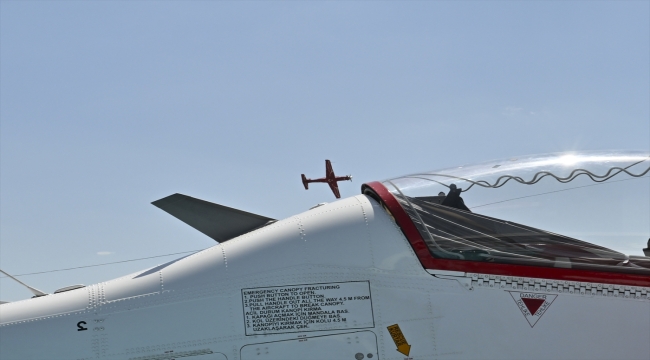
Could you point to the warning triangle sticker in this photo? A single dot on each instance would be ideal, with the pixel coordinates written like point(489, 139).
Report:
point(532, 305)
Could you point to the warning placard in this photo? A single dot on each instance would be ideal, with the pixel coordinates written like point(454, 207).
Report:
point(307, 307)
point(532, 305)
point(399, 339)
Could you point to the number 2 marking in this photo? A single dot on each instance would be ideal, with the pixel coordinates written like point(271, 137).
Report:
point(80, 326)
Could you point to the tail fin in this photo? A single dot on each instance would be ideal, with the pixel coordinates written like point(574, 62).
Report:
point(304, 181)
point(219, 222)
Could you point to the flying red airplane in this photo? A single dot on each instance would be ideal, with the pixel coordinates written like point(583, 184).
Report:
point(329, 178)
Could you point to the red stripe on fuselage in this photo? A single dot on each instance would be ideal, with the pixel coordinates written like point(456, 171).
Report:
point(429, 262)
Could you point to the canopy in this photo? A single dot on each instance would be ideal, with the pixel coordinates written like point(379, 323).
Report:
point(588, 210)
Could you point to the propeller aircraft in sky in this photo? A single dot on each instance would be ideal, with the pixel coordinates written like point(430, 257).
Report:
point(330, 178)
point(449, 264)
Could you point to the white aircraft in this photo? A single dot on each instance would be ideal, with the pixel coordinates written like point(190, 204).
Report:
point(449, 264)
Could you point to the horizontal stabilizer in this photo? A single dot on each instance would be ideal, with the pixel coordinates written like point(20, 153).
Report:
point(219, 222)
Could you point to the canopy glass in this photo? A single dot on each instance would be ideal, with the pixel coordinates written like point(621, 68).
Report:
point(588, 210)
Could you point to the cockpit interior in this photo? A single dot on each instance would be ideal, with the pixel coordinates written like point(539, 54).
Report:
point(587, 211)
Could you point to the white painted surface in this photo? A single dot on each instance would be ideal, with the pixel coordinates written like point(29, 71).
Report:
point(350, 345)
point(196, 303)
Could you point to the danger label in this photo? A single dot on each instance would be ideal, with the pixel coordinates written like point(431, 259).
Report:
point(308, 307)
point(532, 305)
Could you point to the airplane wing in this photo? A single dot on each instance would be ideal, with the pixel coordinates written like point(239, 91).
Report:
point(329, 172)
point(34, 291)
point(335, 189)
point(219, 222)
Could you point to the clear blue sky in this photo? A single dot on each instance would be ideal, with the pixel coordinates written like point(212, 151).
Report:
point(107, 106)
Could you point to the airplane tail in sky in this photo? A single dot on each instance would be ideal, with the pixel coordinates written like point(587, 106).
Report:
point(219, 222)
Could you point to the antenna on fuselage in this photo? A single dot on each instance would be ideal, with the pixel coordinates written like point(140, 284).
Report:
point(34, 291)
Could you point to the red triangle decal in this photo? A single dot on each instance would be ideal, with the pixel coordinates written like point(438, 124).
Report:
point(532, 304)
